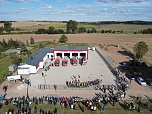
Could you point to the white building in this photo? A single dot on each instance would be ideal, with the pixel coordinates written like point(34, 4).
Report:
point(35, 62)
point(38, 59)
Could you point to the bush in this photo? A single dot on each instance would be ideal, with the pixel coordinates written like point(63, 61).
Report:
point(63, 39)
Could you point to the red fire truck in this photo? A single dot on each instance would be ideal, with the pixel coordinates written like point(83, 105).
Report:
point(74, 61)
point(57, 62)
point(64, 62)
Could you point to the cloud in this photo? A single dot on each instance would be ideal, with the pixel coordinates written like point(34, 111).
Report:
point(46, 8)
point(20, 0)
point(21, 11)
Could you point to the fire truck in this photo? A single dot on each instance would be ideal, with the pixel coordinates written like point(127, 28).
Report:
point(57, 62)
point(64, 62)
point(74, 61)
point(82, 61)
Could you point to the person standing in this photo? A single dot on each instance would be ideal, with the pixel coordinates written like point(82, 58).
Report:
point(55, 111)
point(124, 94)
point(102, 108)
point(35, 110)
point(82, 108)
point(138, 109)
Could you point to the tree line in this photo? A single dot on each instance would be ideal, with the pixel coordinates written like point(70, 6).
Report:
point(5, 45)
point(71, 28)
point(146, 31)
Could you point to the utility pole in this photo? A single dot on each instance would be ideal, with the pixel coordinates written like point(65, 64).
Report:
point(44, 80)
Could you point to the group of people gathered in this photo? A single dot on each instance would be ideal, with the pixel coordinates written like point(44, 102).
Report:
point(76, 83)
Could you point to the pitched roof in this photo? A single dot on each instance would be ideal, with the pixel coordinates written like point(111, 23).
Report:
point(37, 57)
point(71, 48)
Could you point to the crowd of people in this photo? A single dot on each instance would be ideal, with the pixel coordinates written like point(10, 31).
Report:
point(77, 83)
point(23, 105)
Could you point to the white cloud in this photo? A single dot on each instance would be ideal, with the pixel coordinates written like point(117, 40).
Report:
point(21, 11)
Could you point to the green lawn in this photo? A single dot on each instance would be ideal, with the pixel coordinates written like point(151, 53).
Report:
point(117, 109)
point(4, 63)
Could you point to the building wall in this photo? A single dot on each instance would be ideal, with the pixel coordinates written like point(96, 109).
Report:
point(73, 51)
point(48, 56)
point(26, 69)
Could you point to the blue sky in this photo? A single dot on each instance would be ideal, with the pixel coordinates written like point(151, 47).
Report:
point(79, 10)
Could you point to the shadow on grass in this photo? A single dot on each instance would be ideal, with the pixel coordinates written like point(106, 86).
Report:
point(123, 105)
point(80, 107)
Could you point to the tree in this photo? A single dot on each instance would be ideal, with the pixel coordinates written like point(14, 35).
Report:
point(41, 45)
point(23, 47)
point(29, 53)
point(60, 31)
point(72, 27)
point(88, 31)
point(32, 40)
point(10, 42)
point(4, 43)
point(7, 26)
point(41, 31)
point(51, 30)
point(93, 30)
point(140, 49)
point(1, 30)
point(110, 31)
point(16, 59)
point(27, 42)
point(63, 39)
point(82, 29)
point(102, 31)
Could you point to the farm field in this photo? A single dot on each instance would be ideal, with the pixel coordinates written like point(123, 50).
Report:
point(124, 40)
point(34, 25)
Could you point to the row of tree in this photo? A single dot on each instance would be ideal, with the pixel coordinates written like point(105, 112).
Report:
point(7, 27)
point(50, 30)
point(146, 31)
point(4, 45)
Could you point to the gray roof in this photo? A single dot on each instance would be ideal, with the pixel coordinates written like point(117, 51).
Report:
point(10, 51)
point(71, 48)
point(37, 57)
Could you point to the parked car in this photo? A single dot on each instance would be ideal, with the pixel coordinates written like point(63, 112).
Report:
point(1, 98)
point(131, 75)
point(141, 81)
point(149, 81)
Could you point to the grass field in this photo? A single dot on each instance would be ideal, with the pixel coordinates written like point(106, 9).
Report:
point(4, 63)
point(117, 109)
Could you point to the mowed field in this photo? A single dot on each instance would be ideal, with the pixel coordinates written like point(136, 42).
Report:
point(125, 40)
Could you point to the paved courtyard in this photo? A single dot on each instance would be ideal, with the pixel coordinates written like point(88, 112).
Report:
point(94, 68)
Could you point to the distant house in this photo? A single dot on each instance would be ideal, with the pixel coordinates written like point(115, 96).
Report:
point(10, 51)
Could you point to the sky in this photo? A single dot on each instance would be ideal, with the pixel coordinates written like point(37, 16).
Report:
point(78, 10)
